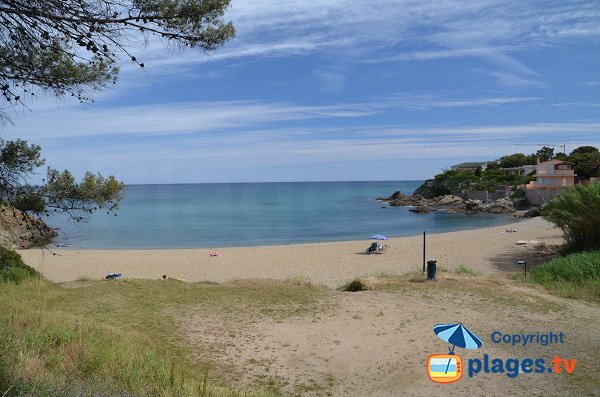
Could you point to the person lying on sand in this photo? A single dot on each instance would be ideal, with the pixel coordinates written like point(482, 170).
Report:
point(164, 277)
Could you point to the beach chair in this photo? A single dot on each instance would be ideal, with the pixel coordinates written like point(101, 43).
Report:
point(373, 249)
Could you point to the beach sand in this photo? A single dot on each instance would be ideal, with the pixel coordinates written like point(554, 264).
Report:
point(374, 342)
point(487, 251)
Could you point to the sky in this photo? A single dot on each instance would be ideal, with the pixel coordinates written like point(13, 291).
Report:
point(338, 90)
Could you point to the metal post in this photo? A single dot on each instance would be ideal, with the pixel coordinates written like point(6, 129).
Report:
point(424, 244)
point(524, 263)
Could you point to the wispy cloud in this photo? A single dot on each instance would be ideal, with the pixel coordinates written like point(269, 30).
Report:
point(486, 29)
point(195, 154)
point(592, 83)
point(510, 80)
point(194, 117)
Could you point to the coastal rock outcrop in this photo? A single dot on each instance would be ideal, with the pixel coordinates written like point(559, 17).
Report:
point(422, 205)
point(500, 206)
point(422, 209)
point(449, 200)
point(19, 232)
point(399, 199)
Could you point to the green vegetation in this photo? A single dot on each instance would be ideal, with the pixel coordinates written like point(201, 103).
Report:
point(71, 47)
point(455, 181)
point(465, 270)
point(577, 213)
point(115, 338)
point(24, 203)
point(574, 276)
point(355, 285)
point(12, 268)
point(586, 161)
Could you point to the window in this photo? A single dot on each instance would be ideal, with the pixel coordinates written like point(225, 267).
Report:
point(545, 181)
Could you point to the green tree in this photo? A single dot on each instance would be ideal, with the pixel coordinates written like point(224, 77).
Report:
point(71, 46)
point(59, 192)
point(515, 160)
point(545, 153)
point(577, 213)
point(584, 149)
point(561, 156)
point(586, 164)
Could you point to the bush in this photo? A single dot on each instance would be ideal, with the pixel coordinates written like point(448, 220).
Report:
point(355, 285)
point(576, 268)
point(12, 267)
point(574, 276)
point(577, 213)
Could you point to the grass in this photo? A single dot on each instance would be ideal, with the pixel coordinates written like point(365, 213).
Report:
point(12, 268)
point(464, 270)
point(574, 276)
point(127, 337)
point(120, 338)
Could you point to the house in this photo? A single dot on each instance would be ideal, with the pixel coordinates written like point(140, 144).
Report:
point(551, 178)
point(472, 166)
point(523, 170)
point(553, 175)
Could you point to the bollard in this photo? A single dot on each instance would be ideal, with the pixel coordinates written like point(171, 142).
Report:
point(524, 263)
point(431, 269)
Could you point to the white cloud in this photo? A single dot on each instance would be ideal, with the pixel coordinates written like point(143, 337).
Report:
point(193, 117)
point(485, 28)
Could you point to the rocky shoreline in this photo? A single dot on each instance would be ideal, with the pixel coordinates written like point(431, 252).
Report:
point(422, 205)
point(18, 231)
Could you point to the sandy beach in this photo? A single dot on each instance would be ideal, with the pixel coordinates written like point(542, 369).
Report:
point(487, 251)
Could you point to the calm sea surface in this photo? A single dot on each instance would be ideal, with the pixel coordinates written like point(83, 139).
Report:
point(246, 214)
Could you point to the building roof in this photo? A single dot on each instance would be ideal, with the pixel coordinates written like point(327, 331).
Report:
point(473, 164)
point(556, 162)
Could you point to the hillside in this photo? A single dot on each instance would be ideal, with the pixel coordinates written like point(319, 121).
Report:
point(18, 231)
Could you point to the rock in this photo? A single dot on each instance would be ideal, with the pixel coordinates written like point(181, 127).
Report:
point(19, 233)
point(500, 206)
point(473, 205)
point(449, 200)
point(422, 209)
point(426, 189)
point(402, 200)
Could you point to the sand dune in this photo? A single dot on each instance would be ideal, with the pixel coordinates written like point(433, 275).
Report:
point(487, 251)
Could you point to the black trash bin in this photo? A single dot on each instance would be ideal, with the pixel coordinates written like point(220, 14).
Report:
point(431, 269)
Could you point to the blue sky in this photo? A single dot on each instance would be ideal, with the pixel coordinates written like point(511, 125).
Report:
point(339, 90)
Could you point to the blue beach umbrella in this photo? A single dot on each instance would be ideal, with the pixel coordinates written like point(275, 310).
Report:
point(457, 335)
point(378, 237)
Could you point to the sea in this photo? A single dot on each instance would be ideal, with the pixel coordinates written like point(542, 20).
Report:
point(253, 214)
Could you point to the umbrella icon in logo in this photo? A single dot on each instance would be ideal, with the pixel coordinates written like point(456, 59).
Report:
point(447, 368)
point(457, 335)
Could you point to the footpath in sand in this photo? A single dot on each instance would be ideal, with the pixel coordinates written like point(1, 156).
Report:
point(485, 251)
point(376, 342)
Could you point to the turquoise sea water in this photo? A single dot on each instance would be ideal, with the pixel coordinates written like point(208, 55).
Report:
point(246, 214)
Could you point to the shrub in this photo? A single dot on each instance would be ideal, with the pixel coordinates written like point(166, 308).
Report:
point(577, 268)
point(574, 276)
point(354, 286)
point(577, 213)
point(12, 267)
